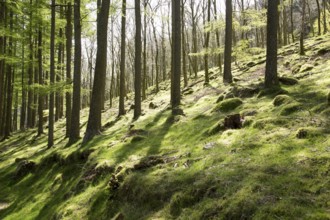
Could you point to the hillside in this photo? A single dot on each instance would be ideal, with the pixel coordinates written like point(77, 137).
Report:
point(189, 167)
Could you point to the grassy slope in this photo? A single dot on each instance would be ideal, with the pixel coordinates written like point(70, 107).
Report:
point(261, 171)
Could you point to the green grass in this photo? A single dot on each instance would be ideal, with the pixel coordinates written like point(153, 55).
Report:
point(262, 171)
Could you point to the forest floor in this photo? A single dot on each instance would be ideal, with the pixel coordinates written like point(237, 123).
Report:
point(277, 166)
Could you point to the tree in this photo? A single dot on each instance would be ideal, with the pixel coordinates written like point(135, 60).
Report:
point(75, 115)
point(52, 77)
point(94, 123)
point(302, 28)
point(40, 69)
point(271, 78)
point(227, 75)
point(68, 97)
point(122, 61)
point(138, 51)
point(176, 56)
point(206, 45)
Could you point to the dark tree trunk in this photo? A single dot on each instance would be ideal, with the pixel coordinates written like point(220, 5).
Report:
point(30, 74)
point(40, 98)
point(217, 35)
point(94, 120)
point(52, 77)
point(122, 61)
point(68, 97)
point(176, 56)
point(206, 45)
point(9, 75)
point(325, 28)
point(271, 78)
point(302, 28)
point(183, 44)
point(138, 51)
point(2, 69)
point(227, 75)
point(318, 17)
point(75, 115)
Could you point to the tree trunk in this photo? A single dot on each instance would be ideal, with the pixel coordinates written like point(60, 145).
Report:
point(122, 61)
point(318, 17)
point(52, 77)
point(325, 28)
point(138, 51)
point(94, 124)
point(184, 60)
point(40, 98)
point(206, 45)
point(271, 78)
point(227, 75)
point(302, 28)
point(75, 115)
point(68, 97)
point(176, 56)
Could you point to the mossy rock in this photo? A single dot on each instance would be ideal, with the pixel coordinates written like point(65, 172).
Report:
point(272, 92)
point(228, 105)
point(323, 51)
point(306, 67)
point(289, 81)
point(290, 109)
point(308, 132)
point(263, 123)
point(215, 129)
point(137, 138)
point(221, 98)
point(281, 100)
point(247, 122)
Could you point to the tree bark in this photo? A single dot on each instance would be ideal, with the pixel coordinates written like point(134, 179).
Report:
point(94, 124)
point(138, 51)
point(122, 61)
point(75, 115)
point(176, 56)
point(68, 97)
point(271, 78)
point(52, 78)
point(227, 75)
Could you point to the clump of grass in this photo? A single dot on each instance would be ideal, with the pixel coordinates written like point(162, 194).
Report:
point(281, 99)
point(228, 105)
point(290, 109)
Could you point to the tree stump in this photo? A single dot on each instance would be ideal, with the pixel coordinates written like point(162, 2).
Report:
point(233, 122)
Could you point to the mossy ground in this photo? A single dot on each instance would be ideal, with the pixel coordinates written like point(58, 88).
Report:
point(262, 171)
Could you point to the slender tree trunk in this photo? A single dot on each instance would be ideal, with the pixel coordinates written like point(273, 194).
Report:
point(207, 41)
point(292, 25)
point(58, 75)
point(9, 75)
point(217, 35)
point(2, 69)
point(138, 51)
point(302, 28)
point(52, 77)
point(94, 124)
point(75, 115)
point(318, 17)
point(68, 97)
point(122, 61)
point(271, 78)
point(40, 69)
point(144, 78)
point(30, 73)
point(325, 28)
point(227, 75)
point(23, 103)
point(184, 57)
point(176, 56)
